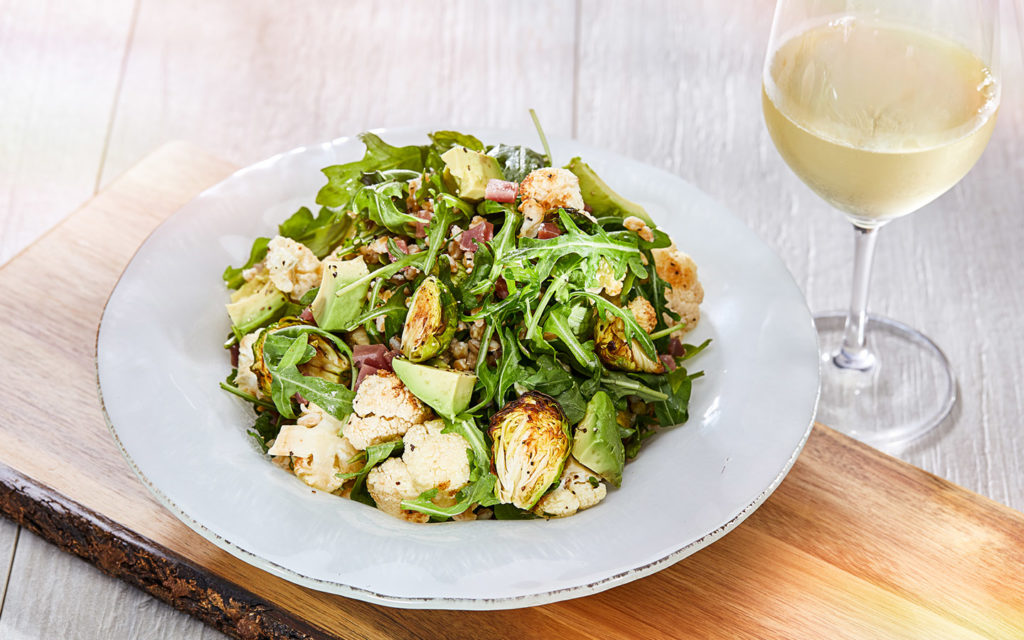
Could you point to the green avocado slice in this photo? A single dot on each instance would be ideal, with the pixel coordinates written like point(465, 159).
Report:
point(258, 302)
point(468, 172)
point(596, 443)
point(602, 200)
point(331, 311)
point(446, 392)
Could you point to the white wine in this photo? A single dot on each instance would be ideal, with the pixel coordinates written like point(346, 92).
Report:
point(878, 119)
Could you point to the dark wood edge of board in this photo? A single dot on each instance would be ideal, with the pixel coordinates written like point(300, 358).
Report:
point(165, 575)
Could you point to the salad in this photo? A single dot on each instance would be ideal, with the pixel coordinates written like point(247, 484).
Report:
point(463, 331)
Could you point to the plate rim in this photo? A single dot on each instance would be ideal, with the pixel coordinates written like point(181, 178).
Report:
point(442, 602)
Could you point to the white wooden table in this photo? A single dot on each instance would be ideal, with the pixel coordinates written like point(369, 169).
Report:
point(91, 86)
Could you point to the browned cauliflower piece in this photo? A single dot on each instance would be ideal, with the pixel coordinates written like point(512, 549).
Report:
point(384, 410)
point(431, 460)
point(639, 227)
point(685, 292)
point(245, 378)
point(317, 449)
point(644, 313)
point(578, 489)
point(546, 190)
point(292, 267)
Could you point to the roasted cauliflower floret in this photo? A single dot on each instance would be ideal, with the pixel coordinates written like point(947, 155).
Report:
point(383, 394)
point(644, 313)
point(389, 483)
point(606, 280)
point(293, 268)
point(384, 410)
point(579, 488)
point(437, 459)
point(685, 292)
point(364, 431)
point(639, 227)
point(317, 449)
point(245, 379)
point(546, 190)
point(431, 460)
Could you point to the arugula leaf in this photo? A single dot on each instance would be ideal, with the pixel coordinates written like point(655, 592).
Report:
point(540, 134)
point(445, 140)
point(549, 377)
point(374, 455)
point(509, 369)
point(552, 379)
point(676, 385)
point(516, 162)
point(561, 274)
point(287, 380)
point(444, 217)
point(620, 385)
point(483, 259)
point(233, 275)
point(465, 426)
point(690, 351)
point(631, 328)
point(486, 379)
point(232, 389)
point(343, 179)
point(535, 259)
point(503, 243)
point(377, 200)
point(319, 234)
point(335, 399)
point(573, 404)
point(480, 491)
point(277, 344)
point(298, 329)
point(266, 428)
point(558, 323)
point(393, 311)
point(512, 512)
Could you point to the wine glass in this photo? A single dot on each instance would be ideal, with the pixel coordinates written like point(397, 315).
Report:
point(881, 106)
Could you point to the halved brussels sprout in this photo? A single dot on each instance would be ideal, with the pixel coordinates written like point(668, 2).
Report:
point(531, 443)
point(326, 362)
point(616, 352)
point(431, 321)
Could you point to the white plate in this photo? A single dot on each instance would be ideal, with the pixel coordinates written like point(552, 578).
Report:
point(159, 360)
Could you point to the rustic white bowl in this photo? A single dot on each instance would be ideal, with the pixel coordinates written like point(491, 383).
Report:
point(160, 359)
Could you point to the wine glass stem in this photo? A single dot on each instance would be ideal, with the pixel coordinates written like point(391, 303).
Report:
point(854, 354)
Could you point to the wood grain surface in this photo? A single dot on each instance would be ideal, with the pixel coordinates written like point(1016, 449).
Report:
point(92, 86)
point(853, 543)
point(54, 116)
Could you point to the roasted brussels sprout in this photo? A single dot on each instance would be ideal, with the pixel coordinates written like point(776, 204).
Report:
point(531, 443)
point(616, 352)
point(430, 323)
point(326, 363)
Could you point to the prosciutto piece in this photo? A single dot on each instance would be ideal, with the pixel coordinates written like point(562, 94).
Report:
point(501, 190)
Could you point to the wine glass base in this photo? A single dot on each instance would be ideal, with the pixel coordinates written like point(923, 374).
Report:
point(907, 392)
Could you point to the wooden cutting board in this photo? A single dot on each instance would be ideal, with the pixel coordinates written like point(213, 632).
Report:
point(853, 544)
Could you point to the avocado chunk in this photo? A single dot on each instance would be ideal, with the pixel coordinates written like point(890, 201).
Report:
point(467, 172)
point(342, 293)
point(596, 443)
point(446, 392)
point(602, 200)
point(256, 303)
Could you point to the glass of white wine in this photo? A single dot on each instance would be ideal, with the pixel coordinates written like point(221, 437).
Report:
point(881, 106)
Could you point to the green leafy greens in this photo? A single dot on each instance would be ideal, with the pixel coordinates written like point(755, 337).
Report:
point(533, 313)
